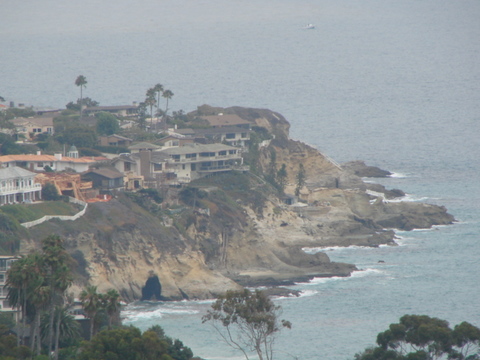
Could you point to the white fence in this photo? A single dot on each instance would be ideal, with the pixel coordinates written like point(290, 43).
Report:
point(61, 217)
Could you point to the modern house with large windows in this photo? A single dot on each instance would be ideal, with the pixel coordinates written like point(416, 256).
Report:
point(18, 185)
point(180, 165)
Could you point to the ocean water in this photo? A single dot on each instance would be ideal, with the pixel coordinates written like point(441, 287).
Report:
point(394, 83)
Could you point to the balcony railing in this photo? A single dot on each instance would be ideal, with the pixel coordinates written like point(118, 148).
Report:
point(205, 158)
point(8, 190)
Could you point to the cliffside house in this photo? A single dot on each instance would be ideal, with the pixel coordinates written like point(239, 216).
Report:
point(56, 162)
point(118, 110)
point(180, 165)
point(114, 140)
point(30, 127)
point(6, 262)
point(232, 135)
point(105, 179)
point(222, 120)
point(129, 165)
point(18, 185)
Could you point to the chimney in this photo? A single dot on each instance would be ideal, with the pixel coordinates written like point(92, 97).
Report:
point(134, 103)
point(58, 156)
point(39, 152)
point(145, 158)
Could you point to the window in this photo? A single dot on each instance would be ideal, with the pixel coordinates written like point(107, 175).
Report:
point(222, 153)
point(127, 166)
point(40, 164)
point(232, 152)
point(244, 135)
point(183, 167)
point(176, 157)
point(193, 167)
point(157, 167)
point(230, 136)
point(2, 278)
point(191, 156)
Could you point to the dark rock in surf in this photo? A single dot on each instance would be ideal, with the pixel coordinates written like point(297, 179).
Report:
point(359, 168)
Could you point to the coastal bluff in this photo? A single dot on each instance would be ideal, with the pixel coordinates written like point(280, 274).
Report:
point(240, 231)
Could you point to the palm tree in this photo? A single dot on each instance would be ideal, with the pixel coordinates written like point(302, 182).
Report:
point(91, 304)
point(17, 290)
point(159, 91)
point(66, 327)
point(167, 94)
point(40, 299)
point(81, 81)
point(150, 101)
point(111, 303)
point(58, 276)
point(23, 279)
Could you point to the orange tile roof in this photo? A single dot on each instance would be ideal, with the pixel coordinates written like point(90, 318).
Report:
point(45, 158)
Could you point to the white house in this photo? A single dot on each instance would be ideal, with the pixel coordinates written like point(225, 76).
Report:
point(18, 185)
point(38, 162)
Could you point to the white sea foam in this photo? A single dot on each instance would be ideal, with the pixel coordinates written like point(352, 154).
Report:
point(136, 313)
point(399, 175)
point(409, 198)
point(314, 250)
point(355, 274)
point(402, 240)
point(366, 272)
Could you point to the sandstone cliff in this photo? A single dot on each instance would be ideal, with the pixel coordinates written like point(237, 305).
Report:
point(237, 231)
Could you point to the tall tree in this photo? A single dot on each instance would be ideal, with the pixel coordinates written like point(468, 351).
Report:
point(111, 304)
point(271, 176)
point(81, 82)
point(40, 298)
point(24, 278)
point(167, 94)
point(159, 91)
point(301, 178)
point(247, 321)
point(59, 277)
point(67, 329)
point(282, 178)
point(150, 101)
point(91, 303)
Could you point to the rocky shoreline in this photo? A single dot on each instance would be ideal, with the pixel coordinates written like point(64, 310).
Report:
point(249, 237)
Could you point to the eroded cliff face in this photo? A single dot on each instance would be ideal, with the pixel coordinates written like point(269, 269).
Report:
point(249, 237)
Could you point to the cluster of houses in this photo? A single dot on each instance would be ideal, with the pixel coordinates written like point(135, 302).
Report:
point(183, 155)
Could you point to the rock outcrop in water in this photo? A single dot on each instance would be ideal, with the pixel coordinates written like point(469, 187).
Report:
point(248, 237)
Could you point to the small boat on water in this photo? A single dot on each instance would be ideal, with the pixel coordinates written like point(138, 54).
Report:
point(309, 27)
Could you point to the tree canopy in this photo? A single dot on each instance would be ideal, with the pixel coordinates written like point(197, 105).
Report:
point(247, 321)
point(107, 124)
point(420, 337)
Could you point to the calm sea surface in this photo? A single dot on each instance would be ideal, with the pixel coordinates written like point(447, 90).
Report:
point(395, 83)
